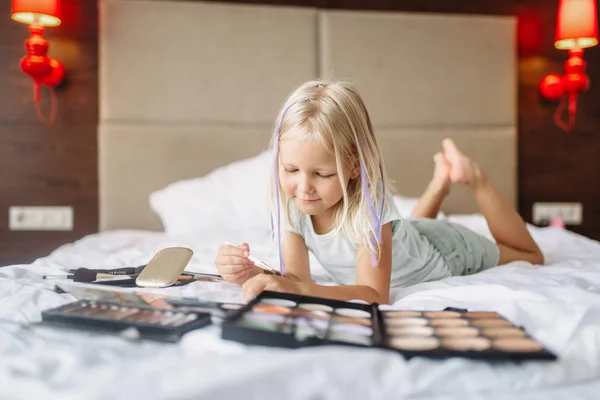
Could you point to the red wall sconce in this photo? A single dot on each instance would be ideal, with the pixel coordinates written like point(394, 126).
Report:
point(576, 29)
point(44, 70)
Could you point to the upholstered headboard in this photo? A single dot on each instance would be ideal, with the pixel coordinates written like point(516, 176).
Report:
point(202, 86)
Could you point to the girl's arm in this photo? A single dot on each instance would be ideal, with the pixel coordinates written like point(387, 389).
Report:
point(372, 283)
point(295, 255)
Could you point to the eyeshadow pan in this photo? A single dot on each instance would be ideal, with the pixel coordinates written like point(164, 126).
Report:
point(104, 313)
point(305, 332)
point(448, 322)
point(401, 314)
point(481, 314)
point(351, 312)
point(231, 306)
point(466, 344)
point(142, 315)
point(451, 331)
point(155, 316)
point(315, 307)
point(410, 331)
point(297, 312)
point(488, 323)
point(442, 314)
point(517, 345)
point(407, 321)
point(185, 319)
point(320, 324)
point(175, 319)
point(352, 328)
point(168, 318)
point(126, 312)
point(414, 343)
point(353, 320)
point(350, 338)
point(264, 317)
point(278, 302)
point(506, 332)
point(89, 309)
point(265, 326)
point(268, 308)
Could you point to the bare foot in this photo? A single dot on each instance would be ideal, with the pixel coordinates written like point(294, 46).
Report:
point(441, 174)
point(462, 169)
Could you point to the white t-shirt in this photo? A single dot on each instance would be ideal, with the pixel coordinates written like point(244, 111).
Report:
point(414, 258)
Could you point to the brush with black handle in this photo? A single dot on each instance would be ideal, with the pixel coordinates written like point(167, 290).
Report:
point(84, 275)
point(118, 271)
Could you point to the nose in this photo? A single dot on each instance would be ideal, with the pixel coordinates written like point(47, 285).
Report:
point(305, 184)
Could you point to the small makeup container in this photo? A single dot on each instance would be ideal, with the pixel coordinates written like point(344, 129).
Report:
point(123, 313)
point(293, 321)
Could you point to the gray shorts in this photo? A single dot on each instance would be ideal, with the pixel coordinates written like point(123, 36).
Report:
point(464, 251)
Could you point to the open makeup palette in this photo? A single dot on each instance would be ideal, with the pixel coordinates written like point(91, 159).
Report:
point(287, 320)
point(132, 314)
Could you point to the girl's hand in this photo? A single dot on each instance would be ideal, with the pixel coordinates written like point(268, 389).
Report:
point(252, 287)
point(233, 264)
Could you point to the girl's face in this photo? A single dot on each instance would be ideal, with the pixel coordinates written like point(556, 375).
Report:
point(309, 176)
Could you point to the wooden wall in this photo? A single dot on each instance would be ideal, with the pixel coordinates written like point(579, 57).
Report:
point(54, 165)
point(58, 165)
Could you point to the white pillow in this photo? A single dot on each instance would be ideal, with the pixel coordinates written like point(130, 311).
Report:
point(407, 204)
point(233, 197)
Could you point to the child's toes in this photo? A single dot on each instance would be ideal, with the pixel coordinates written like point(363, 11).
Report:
point(460, 164)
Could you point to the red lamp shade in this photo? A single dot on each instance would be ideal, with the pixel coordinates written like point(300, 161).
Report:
point(36, 12)
point(577, 26)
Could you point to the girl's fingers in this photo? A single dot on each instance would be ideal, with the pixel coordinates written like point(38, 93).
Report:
point(238, 278)
point(232, 260)
point(234, 269)
point(229, 250)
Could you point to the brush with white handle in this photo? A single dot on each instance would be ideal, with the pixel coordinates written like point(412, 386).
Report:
point(256, 261)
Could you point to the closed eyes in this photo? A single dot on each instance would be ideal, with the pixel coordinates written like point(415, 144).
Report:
point(325, 175)
point(319, 174)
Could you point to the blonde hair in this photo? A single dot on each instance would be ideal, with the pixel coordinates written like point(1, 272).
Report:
point(334, 114)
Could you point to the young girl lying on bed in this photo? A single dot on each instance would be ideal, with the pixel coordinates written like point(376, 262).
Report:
point(331, 196)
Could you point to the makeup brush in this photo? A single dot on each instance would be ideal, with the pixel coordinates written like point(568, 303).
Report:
point(256, 261)
point(57, 276)
point(118, 271)
point(81, 275)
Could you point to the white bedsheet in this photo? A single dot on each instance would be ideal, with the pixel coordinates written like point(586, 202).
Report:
point(559, 304)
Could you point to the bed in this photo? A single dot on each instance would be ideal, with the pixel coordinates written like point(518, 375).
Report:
point(183, 129)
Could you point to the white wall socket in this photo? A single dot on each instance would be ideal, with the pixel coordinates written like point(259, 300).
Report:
point(40, 218)
point(571, 213)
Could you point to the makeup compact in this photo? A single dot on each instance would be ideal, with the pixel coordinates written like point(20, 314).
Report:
point(292, 321)
point(165, 267)
point(125, 313)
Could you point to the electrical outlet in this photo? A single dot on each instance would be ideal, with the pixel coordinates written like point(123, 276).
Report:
point(571, 213)
point(40, 218)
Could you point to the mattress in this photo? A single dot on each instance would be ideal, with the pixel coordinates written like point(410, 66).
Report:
point(558, 304)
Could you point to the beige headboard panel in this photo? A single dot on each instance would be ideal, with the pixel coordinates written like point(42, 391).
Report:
point(165, 154)
point(429, 76)
point(425, 69)
point(195, 62)
point(186, 87)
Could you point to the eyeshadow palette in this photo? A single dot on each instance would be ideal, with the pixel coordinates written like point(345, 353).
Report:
point(292, 321)
point(219, 311)
point(124, 313)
